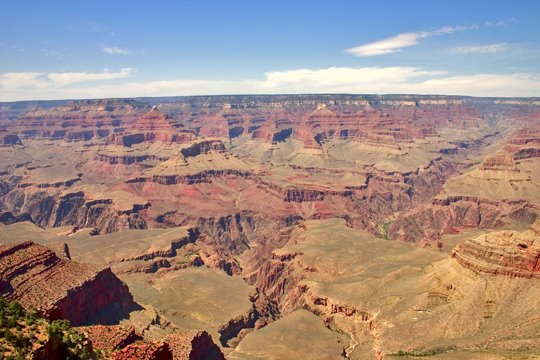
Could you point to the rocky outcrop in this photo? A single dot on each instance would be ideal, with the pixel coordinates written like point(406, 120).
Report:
point(110, 338)
point(169, 251)
point(195, 178)
point(132, 139)
point(499, 162)
point(508, 253)
point(325, 306)
point(153, 126)
point(61, 289)
point(147, 350)
point(527, 153)
point(146, 267)
point(202, 147)
point(302, 195)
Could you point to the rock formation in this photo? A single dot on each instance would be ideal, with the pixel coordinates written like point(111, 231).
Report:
point(59, 288)
point(509, 253)
point(500, 162)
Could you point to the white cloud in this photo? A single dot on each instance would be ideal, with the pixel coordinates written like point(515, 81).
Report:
point(120, 51)
point(14, 80)
point(504, 85)
point(483, 49)
point(362, 80)
point(76, 77)
point(395, 43)
point(36, 80)
point(340, 79)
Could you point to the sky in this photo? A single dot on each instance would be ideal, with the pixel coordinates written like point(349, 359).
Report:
point(67, 49)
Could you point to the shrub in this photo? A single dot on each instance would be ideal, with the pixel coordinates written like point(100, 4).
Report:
point(15, 322)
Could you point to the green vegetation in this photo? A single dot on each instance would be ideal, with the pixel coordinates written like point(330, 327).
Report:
point(24, 334)
point(384, 229)
point(418, 353)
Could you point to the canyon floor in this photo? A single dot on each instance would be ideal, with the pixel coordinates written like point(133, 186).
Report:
point(287, 227)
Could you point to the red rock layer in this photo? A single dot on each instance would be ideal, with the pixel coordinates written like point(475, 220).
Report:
point(77, 120)
point(154, 126)
point(380, 119)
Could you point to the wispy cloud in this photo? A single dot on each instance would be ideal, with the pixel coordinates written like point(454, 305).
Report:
point(372, 80)
point(483, 49)
point(114, 50)
point(101, 28)
point(498, 23)
point(395, 43)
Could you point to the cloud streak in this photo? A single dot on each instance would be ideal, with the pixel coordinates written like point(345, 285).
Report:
point(396, 43)
point(484, 49)
point(360, 80)
point(114, 50)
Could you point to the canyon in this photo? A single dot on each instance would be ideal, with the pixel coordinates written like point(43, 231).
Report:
point(277, 226)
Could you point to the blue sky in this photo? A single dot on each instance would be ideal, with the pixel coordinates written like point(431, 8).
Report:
point(80, 49)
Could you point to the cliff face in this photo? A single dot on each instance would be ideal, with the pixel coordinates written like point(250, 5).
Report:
point(77, 120)
point(52, 208)
point(380, 120)
point(151, 127)
point(448, 215)
point(61, 289)
point(10, 139)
